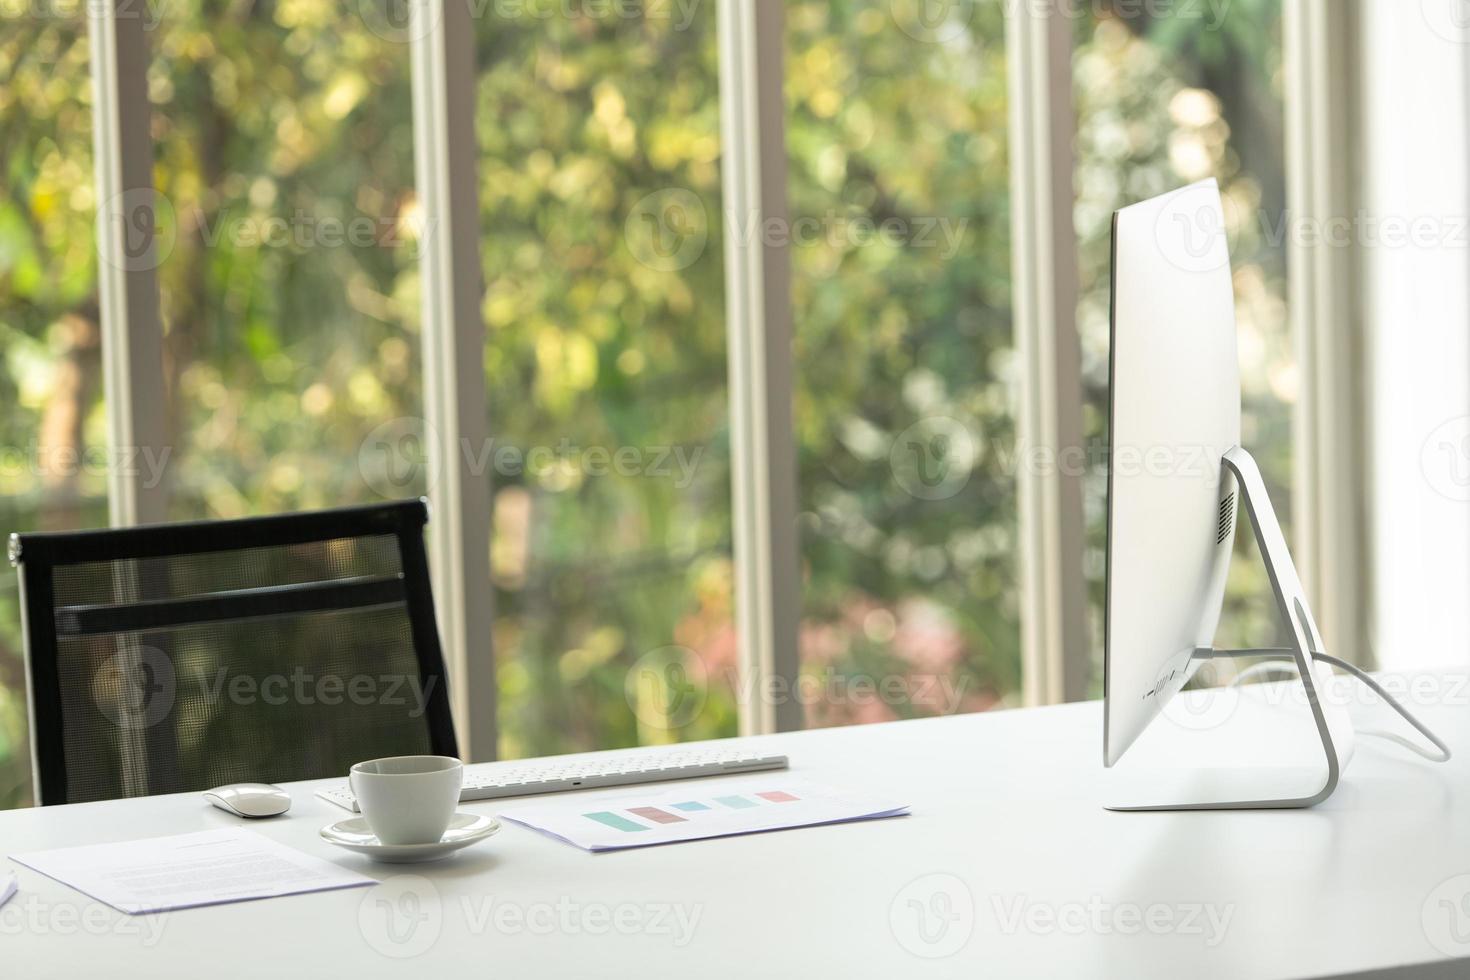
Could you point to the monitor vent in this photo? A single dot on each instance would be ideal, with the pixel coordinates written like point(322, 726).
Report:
point(1227, 519)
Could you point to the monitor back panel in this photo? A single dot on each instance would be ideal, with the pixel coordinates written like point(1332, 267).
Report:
point(1175, 412)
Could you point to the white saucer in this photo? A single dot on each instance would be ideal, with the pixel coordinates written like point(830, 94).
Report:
point(464, 829)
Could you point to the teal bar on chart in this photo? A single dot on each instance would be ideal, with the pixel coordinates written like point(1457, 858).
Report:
point(615, 822)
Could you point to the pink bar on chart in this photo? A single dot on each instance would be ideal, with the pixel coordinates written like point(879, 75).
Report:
point(778, 796)
point(655, 814)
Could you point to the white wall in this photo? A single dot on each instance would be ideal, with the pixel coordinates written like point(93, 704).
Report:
point(1416, 185)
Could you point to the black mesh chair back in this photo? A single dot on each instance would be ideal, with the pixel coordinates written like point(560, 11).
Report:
point(179, 657)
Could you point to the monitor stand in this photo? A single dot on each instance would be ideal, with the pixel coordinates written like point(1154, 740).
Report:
point(1252, 787)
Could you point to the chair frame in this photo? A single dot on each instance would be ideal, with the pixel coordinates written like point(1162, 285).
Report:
point(37, 555)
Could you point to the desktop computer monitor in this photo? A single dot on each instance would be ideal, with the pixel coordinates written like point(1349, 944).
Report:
point(1174, 414)
point(1177, 476)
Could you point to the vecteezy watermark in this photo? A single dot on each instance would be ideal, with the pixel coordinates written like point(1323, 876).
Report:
point(400, 21)
point(936, 457)
point(397, 458)
point(669, 230)
point(150, 12)
point(135, 687)
point(680, 13)
point(300, 686)
point(301, 230)
point(843, 231)
point(933, 458)
point(1205, 708)
point(1213, 704)
point(1098, 916)
point(934, 21)
point(947, 21)
point(139, 229)
point(1184, 461)
point(566, 916)
point(30, 915)
point(1195, 236)
point(1450, 19)
point(1444, 459)
point(1190, 230)
point(401, 917)
point(668, 688)
point(394, 459)
point(1365, 229)
point(1446, 916)
point(404, 916)
point(136, 229)
point(1209, 14)
point(933, 916)
point(939, 693)
point(144, 462)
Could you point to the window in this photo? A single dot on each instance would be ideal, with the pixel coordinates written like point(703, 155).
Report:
point(53, 475)
point(284, 144)
point(599, 178)
point(900, 254)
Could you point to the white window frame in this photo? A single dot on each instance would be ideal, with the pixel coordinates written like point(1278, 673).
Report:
point(453, 339)
point(759, 335)
point(127, 266)
point(1413, 80)
point(1329, 496)
point(1055, 649)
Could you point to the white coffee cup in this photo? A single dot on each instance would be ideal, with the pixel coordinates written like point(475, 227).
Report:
point(408, 799)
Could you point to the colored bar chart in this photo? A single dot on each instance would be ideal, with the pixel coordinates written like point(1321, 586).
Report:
point(630, 820)
point(727, 807)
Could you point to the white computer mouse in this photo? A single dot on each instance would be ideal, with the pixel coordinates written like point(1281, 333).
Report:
point(250, 799)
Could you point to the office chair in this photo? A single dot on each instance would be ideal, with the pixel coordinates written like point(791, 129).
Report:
point(177, 657)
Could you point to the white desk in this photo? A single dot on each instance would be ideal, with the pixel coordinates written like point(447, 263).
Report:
point(1006, 821)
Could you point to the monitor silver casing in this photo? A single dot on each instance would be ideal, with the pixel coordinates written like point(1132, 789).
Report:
point(1176, 478)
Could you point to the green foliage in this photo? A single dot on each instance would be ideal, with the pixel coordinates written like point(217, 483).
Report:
point(582, 123)
point(284, 145)
point(887, 127)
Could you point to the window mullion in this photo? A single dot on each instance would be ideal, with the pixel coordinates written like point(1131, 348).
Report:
point(127, 268)
point(453, 338)
point(1328, 452)
point(1055, 649)
point(759, 328)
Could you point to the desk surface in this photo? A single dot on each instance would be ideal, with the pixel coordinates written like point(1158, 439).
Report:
point(1008, 867)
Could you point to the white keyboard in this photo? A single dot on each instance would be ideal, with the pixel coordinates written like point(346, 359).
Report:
point(497, 780)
